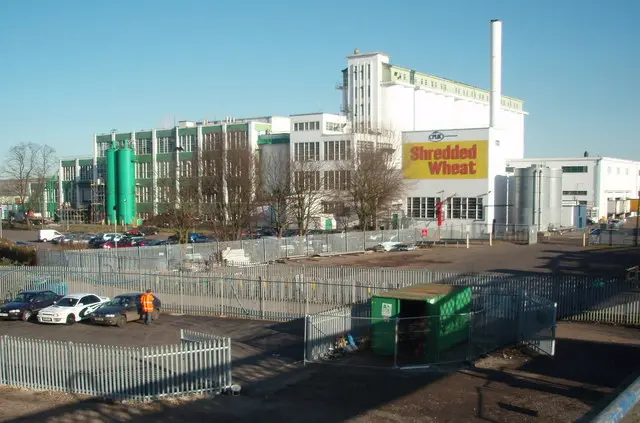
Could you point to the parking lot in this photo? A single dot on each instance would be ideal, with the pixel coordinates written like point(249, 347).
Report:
point(259, 348)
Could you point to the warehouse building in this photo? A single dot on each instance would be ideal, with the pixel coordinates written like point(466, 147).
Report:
point(603, 185)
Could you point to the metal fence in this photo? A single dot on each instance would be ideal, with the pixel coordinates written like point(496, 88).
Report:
point(282, 292)
point(204, 256)
point(352, 336)
point(200, 364)
point(624, 237)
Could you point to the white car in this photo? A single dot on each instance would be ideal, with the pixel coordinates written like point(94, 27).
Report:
point(71, 308)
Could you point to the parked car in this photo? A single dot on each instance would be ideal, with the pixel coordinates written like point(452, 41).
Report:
point(71, 309)
point(122, 309)
point(152, 242)
point(27, 304)
point(101, 238)
point(46, 235)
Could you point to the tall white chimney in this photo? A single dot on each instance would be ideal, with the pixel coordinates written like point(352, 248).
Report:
point(495, 102)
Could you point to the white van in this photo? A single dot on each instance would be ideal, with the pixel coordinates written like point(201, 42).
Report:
point(45, 235)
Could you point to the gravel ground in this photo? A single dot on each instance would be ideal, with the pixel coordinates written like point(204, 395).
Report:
point(590, 363)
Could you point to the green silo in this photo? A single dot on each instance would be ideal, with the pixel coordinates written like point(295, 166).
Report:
point(110, 185)
point(134, 204)
point(126, 181)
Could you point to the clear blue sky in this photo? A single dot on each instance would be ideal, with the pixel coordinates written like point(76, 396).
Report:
point(75, 67)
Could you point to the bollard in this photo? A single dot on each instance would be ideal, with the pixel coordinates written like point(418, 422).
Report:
point(467, 240)
point(584, 239)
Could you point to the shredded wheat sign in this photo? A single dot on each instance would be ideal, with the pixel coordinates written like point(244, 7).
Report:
point(446, 160)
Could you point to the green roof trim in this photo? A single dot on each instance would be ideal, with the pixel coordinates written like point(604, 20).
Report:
point(211, 129)
point(103, 138)
point(144, 135)
point(238, 127)
point(274, 139)
point(187, 131)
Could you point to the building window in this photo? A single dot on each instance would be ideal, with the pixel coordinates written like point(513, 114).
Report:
point(143, 170)
point(188, 143)
point(102, 148)
point(307, 181)
point(337, 180)
point(185, 169)
point(143, 146)
point(575, 169)
point(574, 192)
point(143, 194)
point(86, 173)
point(337, 150)
point(102, 170)
point(164, 169)
point(213, 141)
point(455, 208)
point(334, 127)
point(166, 145)
point(69, 173)
point(306, 151)
point(307, 126)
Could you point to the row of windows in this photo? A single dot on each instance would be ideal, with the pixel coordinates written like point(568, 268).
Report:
point(306, 181)
point(307, 126)
point(334, 126)
point(338, 180)
point(454, 208)
point(575, 169)
point(337, 150)
point(355, 69)
point(574, 192)
point(306, 151)
point(186, 143)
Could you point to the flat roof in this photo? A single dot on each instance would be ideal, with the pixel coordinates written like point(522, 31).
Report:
point(428, 291)
point(571, 159)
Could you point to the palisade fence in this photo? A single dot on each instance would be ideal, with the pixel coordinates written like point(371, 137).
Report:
point(350, 335)
point(283, 292)
point(200, 364)
point(269, 249)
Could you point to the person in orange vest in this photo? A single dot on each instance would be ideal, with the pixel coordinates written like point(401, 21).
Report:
point(147, 306)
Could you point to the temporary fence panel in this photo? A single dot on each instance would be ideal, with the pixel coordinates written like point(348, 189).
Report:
point(283, 292)
point(117, 372)
point(353, 336)
point(201, 256)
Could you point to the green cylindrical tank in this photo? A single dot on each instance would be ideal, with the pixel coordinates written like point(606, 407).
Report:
point(110, 186)
point(134, 204)
point(125, 182)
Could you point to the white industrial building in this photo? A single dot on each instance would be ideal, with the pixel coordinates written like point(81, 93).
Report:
point(602, 184)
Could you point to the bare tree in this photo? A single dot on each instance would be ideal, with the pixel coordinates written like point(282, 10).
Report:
point(374, 178)
point(228, 187)
point(179, 198)
point(29, 165)
point(240, 176)
point(275, 190)
point(306, 192)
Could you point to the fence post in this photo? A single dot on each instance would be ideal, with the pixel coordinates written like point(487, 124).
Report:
point(264, 250)
point(306, 295)
point(71, 367)
point(490, 238)
point(467, 239)
point(584, 239)
point(181, 294)
point(364, 239)
point(261, 297)
point(3, 354)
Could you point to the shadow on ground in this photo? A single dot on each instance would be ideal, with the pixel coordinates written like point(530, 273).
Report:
point(499, 388)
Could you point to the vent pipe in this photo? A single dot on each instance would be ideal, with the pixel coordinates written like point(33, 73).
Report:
point(495, 102)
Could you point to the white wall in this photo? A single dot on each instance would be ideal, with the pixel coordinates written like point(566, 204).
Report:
point(460, 186)
point(606, 178)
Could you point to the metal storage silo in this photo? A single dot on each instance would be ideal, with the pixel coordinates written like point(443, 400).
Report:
point(110, 185)
point(555, 197)
point(532, 198)
point(523, 198)
point(543, 188)
point(125, 178)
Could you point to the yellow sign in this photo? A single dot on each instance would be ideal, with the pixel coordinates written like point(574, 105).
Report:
point(446, 160)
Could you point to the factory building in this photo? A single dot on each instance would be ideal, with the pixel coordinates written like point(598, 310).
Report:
point(602, 185)
point(160, 158)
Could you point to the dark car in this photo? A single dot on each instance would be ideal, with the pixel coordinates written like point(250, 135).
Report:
point(122, 309)
point(27, 304)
